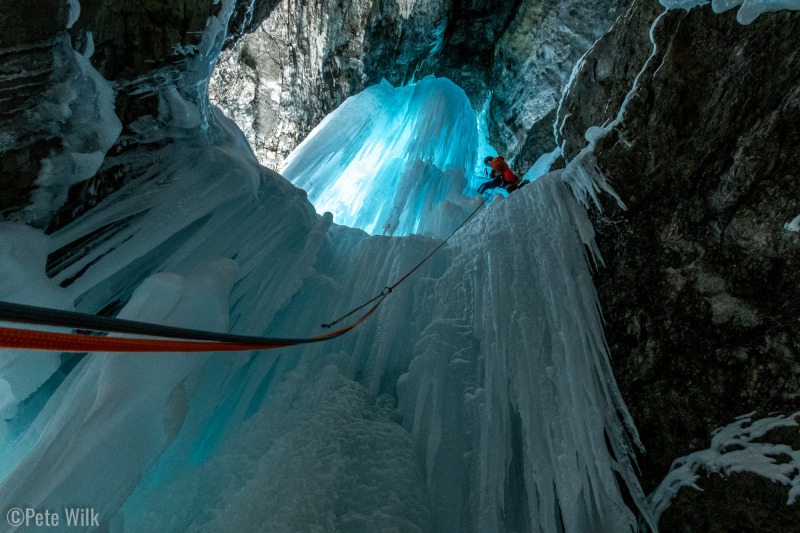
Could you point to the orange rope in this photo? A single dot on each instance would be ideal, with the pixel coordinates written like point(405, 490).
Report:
point(26, 339)
point(172, 339)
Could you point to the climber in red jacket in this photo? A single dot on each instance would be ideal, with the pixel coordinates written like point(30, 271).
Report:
point(502, 175)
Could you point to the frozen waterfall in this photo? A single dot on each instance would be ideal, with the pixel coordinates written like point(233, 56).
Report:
point(479, 398)
point(393, 161)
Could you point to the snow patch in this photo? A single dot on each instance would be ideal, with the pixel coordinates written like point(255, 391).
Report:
point(735, 448)
point(750, 10)
point(793, 225)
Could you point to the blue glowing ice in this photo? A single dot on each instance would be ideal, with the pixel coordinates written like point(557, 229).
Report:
point(462, 406)
point(392, 160)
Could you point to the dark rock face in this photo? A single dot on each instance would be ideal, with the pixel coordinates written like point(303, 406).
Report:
point(539, 139)
point(48, 95)
point(532, 62)
point(26, 67)
point(306, 59)
point(467, 50)
point(700, 287)
point(606, 75)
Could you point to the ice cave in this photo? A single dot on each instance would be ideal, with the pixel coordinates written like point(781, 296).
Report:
point(613, 347)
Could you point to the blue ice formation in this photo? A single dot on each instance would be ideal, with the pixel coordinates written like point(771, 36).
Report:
point(749, 10)
point(392, 161)
point(462, 388)
point(479, 398)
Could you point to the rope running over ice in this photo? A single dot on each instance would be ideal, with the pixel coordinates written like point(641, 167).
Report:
point(172, 339)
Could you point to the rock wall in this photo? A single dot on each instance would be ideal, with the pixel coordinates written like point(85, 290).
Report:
point(532, 62)
point(303, 61)
point(700, 287)
point(54, 63)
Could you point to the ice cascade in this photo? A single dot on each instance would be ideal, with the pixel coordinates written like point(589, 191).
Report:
point(479, 398)
point(465, 388)
point(392, 160)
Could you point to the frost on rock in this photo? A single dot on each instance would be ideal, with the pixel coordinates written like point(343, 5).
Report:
point(793, 225)
point(392, 161)
point(750, 10)
point(79, 108)
point(737, 447)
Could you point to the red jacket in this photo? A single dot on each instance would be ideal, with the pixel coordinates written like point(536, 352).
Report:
point(500, 166)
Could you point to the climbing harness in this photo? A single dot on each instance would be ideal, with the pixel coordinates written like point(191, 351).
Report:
point(172, 339)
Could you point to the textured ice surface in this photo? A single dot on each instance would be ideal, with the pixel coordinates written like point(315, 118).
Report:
point(392, 160)
point(23, 280)
point(74, 12)
point(479, 398)
point(493, 354)
point(749, 10)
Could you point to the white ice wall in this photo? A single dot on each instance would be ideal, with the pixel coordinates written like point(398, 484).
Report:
point(493, 350)
point(478, 398)
point(392, 160)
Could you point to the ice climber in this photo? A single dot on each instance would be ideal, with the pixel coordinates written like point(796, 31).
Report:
point(501, 176)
